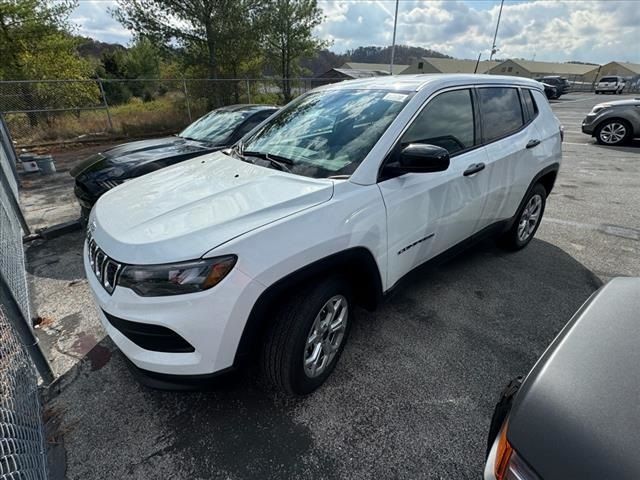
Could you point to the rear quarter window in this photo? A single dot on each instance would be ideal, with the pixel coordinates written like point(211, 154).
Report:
point(501, 111)
point(531, 106)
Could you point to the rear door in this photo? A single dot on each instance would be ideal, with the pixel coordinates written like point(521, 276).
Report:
point(429, 212)
point(511, 140)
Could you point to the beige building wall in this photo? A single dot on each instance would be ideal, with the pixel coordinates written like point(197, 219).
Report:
point(620, 69)
point(509, 67)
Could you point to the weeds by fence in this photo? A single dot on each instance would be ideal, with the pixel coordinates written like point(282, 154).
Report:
point(51, 111)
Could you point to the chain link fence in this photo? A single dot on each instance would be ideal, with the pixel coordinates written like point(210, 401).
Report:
point(55, 111)
point(22, 441)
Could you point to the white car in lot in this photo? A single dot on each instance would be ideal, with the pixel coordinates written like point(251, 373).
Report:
point(611, 84)
point(263, 251)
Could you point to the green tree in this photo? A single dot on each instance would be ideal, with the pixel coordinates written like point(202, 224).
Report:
point(192, 23)
point(288, 33)
point(36, 44)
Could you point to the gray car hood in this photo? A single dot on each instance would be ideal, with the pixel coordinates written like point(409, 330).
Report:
point(577, 415)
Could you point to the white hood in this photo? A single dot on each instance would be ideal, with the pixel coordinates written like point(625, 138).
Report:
point(182, 212)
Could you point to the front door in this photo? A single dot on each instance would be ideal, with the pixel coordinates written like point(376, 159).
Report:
point(429, 212)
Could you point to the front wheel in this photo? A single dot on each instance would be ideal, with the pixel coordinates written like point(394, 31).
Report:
point(307, 336)
point(527, 221)
point(613, 132)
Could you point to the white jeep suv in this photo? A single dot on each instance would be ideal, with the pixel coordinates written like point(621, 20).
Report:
point(263, 250)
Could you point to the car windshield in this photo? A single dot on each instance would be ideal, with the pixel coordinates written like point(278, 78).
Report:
point(215, 127)
point(327, 133)
point(608, 79)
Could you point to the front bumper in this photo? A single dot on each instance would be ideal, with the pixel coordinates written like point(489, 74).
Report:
point(211, 321)
point(590, 123)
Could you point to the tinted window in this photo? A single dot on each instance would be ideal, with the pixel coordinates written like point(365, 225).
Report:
point(446, 121)
point(609, 79)
point(253, 122)
point(529, 101)
point(215, 127)
point(501, 111)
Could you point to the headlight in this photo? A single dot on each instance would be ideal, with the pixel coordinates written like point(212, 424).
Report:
point(176, 279)
point(509, 465)
point(600, 107)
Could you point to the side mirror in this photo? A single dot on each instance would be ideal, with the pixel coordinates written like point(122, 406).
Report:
point(420, 158)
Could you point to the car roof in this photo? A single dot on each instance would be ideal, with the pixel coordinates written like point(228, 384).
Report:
point(246, 107)
point(420, 81)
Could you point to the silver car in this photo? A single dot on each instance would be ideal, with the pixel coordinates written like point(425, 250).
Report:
point(613, 123)
point(576, 415)
point(611, 85)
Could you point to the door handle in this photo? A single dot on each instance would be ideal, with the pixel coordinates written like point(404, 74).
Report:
point(533, 143)
point(474, 168)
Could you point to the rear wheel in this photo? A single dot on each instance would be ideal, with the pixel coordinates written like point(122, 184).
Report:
point(613, 132)
point(307, 337)
point(527, 220)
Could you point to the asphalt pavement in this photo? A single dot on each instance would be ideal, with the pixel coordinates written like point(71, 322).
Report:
point(414, 391)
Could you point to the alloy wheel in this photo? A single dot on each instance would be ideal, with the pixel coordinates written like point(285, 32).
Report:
point(613, 133)
point(325, 336)
point(529, 218)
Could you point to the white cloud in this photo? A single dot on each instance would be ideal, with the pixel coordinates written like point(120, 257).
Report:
point(93, 20)
point(597, 30)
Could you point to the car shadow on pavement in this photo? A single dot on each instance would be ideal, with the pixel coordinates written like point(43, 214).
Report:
point(411, 397)
point(59, 258)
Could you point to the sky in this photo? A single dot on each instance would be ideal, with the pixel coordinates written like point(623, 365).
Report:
point(596, 31)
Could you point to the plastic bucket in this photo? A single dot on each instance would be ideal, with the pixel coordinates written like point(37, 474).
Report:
point(45, 164)
point(28, 161)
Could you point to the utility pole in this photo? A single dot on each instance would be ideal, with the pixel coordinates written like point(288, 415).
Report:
point(393, 44)
point(495, 36)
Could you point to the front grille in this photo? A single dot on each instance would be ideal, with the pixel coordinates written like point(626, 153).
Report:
point(109, 184)
point(150, 337)
point(105, 269)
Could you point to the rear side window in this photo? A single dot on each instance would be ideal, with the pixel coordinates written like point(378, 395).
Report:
point(447, 121)
point(530, 103)
point(501, 111)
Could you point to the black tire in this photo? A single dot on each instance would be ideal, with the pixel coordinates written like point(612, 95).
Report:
point(283, 349)
point(511, 239)
point(625, 138)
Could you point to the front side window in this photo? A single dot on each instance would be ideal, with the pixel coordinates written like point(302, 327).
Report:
point(501, 111)
point(447, 121)
point(215, 127)
point(327, 133)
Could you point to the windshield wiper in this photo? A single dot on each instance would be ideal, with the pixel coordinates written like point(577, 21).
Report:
point(275, 160)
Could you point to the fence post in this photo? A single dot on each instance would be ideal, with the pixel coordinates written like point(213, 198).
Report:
point(106, 105)
point(186, 97)
point(248, 90)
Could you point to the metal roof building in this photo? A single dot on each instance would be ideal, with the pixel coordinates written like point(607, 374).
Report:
point(384, 67)
point(449, 65)
point(527, 68)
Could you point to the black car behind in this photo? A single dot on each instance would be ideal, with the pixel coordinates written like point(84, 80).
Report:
point(561, 84)
point(218, 129)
